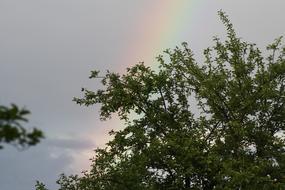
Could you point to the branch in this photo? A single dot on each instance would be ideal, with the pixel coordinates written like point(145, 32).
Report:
point(161, 94)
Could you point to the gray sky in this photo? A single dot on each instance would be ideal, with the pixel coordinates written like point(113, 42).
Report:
point(48, 47)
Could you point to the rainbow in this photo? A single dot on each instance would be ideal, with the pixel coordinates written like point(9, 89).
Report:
point(157, 28)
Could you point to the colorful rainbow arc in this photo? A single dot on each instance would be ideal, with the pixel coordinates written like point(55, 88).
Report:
point(157, 28)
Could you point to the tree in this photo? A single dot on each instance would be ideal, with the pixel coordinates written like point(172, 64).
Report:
point(234, 141)
point(12, 131)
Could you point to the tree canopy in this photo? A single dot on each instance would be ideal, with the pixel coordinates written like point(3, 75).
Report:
point(212, 125)
point(12, 131)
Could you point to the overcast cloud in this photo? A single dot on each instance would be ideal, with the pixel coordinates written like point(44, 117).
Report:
point(48, 47)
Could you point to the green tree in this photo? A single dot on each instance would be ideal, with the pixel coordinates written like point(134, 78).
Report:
point(12, 131)
point(234, 141)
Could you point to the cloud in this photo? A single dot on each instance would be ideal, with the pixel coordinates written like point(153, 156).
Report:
point(79, 149)
point(20, 169)
point(71, 143)
point(48, 48)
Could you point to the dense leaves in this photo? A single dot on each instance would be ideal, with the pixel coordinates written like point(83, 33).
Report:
point(216, 125)
point(12, 131)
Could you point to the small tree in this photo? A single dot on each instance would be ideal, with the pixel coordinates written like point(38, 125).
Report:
point(235, 142)
point(11, 130)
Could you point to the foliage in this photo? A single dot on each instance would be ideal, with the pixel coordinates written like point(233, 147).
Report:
point(231, 138)
point(40, 186)
point(11, 130)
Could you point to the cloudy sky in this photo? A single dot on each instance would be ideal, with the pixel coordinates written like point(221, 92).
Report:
point(48, 47)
